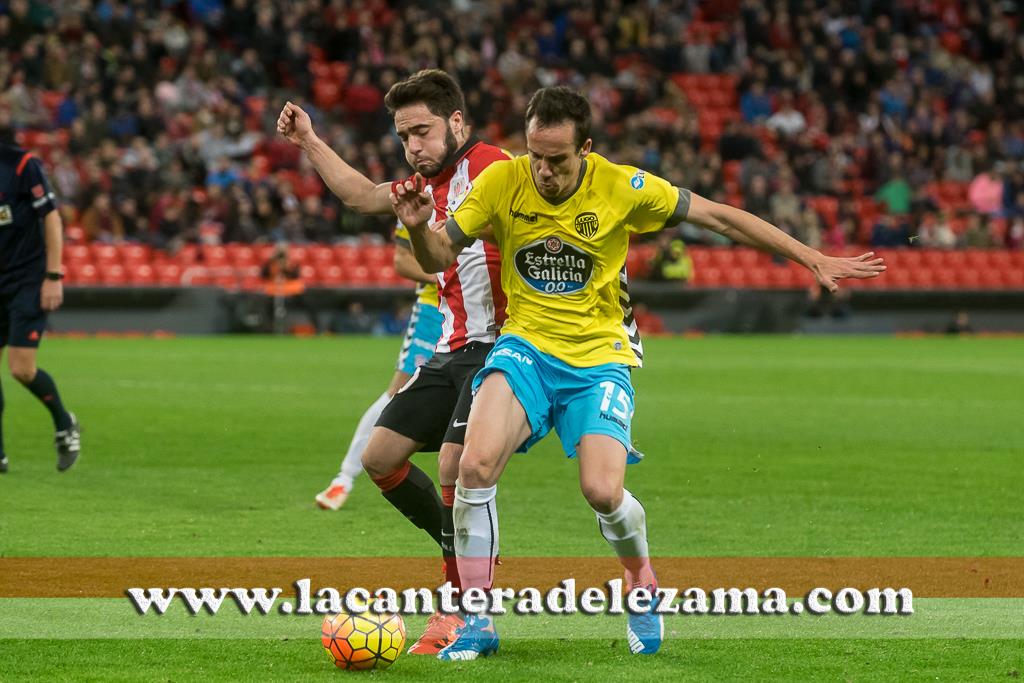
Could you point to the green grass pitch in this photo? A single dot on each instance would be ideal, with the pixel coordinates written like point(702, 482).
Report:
point(756, 446)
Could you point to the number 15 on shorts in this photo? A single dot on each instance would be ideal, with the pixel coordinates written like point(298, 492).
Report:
point(616, 405)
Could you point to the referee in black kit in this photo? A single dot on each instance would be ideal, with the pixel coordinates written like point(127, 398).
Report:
point(31, 239)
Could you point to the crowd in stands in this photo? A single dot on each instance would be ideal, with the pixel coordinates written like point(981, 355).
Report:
point(890, 123)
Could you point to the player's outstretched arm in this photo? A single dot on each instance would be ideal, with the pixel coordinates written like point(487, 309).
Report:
point(432, 246)
point(406, 265)
point(747, 228)
point(355, 190)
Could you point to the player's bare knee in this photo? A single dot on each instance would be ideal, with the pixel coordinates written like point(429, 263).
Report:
point(602, 496)
point(375, 465)
point(22, 371)
point(477, 472)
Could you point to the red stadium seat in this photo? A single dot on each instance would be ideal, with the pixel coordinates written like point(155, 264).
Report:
point(168, 274)
point(320, 255)
point(77, 254)
point(700, 256)
point(187, 255)
point(384, 275)
point(735, 277)
point(213, 255)
point(945, 278)
point(723, 258)
point(242, 256)
point(358, 276)
point(707, 277)
point(956, 259)
point(86, 275)
point(1000, 259)
point(977, 258)
point(346, 255)
point(911, 258)
point(326, 93)
point(969, 278)
point(1013, 279)
point(991, 279)
point(922, 278)
point(934, 259)
point(141, 274)
point(898, 279)
point(103, 254)
point(748, 258)
point(113, 275)
point(375, 255)
point(330, 275)
point(135, 253)
point(782, 278)
point(758, 278)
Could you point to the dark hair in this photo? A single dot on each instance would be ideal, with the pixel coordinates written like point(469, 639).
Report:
point(558, 104)
point(435, 89)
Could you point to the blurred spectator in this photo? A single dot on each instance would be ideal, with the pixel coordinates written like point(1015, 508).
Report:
point(101, 222)
point(889, 232)
point(960, 324)
point(755, 105)
point(978, 234)
point(150, 100)
point(672, 262)
point(986, 192)
point(284, 288)
point(935, 232)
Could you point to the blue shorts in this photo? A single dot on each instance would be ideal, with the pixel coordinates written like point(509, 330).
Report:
point(420, 337)
point(22, 318)
point(575, 401)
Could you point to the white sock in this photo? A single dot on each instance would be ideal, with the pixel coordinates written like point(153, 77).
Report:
point(476, 535)
point(352, 465)
point(625, 529)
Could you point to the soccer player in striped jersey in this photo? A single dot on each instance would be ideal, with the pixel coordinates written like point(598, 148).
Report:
point(430, 412)
point(562, 217)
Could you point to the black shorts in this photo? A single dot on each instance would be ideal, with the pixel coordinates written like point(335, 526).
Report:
point(433, 407)
point(22, 318)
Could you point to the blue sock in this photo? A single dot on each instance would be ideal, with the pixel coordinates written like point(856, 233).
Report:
point(45, 390)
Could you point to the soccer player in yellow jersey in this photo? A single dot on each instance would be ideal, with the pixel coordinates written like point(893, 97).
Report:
point(561, 217)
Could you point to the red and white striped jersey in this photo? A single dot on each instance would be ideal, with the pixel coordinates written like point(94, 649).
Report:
point(472, 300)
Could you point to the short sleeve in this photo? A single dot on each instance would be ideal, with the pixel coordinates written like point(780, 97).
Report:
point(475, 212)
point(34, 184)
point(659, 204)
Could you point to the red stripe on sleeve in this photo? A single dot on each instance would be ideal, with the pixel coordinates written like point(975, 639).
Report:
point(23, 162)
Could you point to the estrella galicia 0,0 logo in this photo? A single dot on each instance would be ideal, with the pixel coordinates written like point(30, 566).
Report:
point(553, 266)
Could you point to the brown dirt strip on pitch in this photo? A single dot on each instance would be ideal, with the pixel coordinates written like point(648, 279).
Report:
point(104, 577)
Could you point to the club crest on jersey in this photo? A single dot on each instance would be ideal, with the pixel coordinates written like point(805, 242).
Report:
point(586, 224)
point(637, 181)
point(6, 217)
point(553, 266)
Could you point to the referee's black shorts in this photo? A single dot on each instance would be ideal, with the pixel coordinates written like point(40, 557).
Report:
point(22, 318)
point(433, 407)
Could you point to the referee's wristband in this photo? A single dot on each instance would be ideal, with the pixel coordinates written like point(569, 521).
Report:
point(54, 275)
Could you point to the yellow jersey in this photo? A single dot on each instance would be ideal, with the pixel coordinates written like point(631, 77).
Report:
point(563, 265)
point(426, 293)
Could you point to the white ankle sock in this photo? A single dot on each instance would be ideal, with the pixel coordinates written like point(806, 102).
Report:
point(352, 465)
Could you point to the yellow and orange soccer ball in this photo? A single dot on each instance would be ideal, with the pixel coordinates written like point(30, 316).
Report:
point(363, 641)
